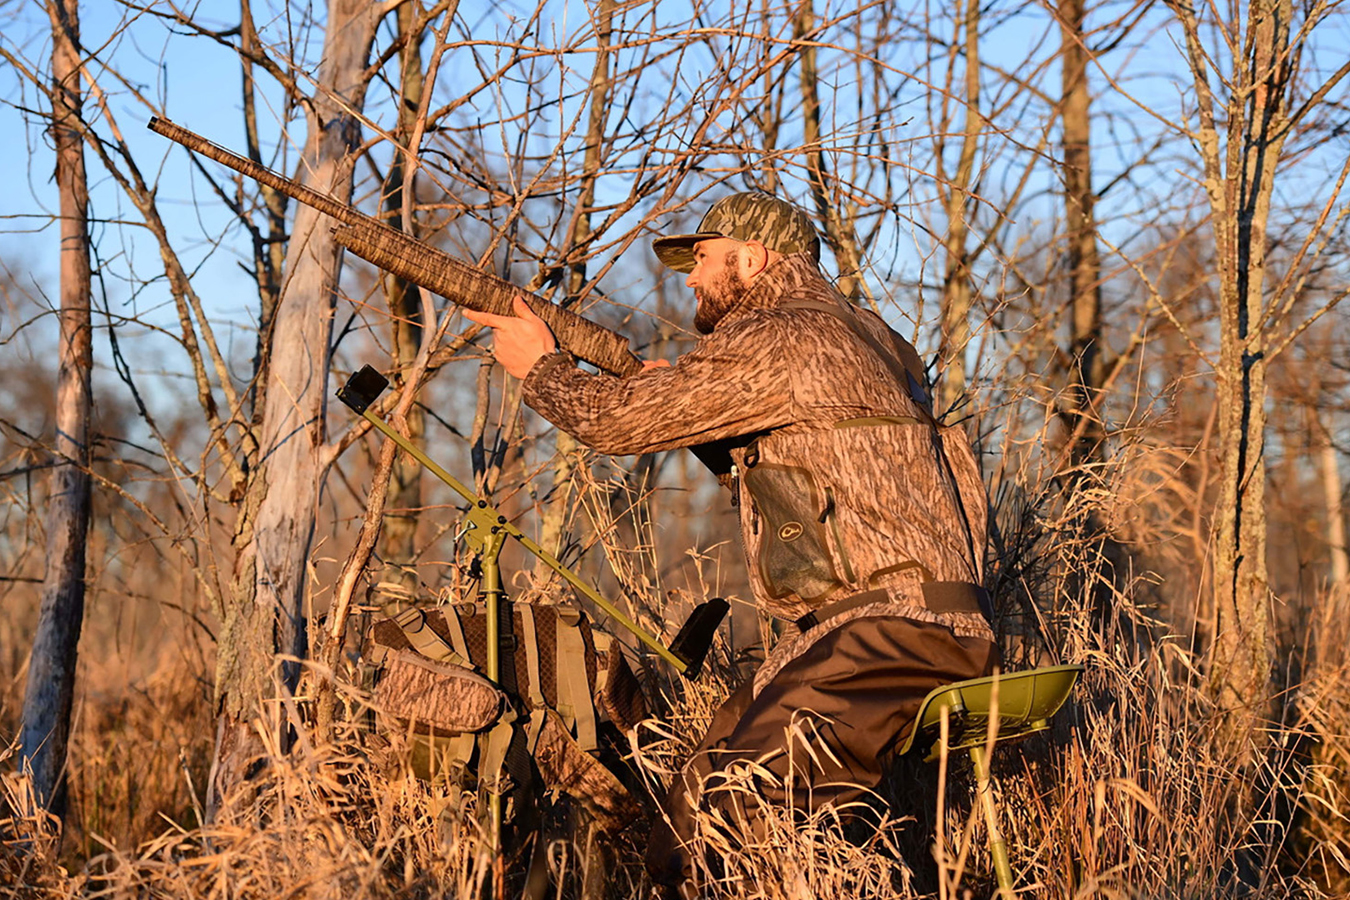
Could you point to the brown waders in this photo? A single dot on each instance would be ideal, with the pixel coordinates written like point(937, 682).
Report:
point(861, 683)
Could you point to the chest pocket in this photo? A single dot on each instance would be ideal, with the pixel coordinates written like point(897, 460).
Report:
point(794, 517)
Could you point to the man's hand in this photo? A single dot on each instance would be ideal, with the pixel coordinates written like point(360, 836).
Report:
point(519, 340)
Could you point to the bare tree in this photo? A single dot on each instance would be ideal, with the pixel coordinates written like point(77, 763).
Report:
point(560, 136)
point(566, 447)
point(955, 191)
point(1086, 370)
point(51, 673)
point(1244, 122)
point(828, 198)
point(398, 534)
point(264, 617)
point(1333, 494)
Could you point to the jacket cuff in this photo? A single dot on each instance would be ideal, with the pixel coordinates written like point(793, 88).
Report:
point(543, 370)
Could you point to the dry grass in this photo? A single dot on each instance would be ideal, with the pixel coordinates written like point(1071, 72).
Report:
point(1129, 799)
point(770, 852)
point(328, 821)
point(1131, 796)
point(138, 759)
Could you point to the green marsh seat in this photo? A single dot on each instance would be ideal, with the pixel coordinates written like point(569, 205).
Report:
point(1026, 703)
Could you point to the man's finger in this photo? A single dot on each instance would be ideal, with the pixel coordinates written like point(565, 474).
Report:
point(491, 320)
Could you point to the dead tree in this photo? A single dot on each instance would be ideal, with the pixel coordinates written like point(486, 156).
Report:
point(264, 611)
point(51, 673)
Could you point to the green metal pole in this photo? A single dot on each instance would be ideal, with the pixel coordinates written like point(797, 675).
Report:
point(499, 522)
point(491, 591)
point(998, 847)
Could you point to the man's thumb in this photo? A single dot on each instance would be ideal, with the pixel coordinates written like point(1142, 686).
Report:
point(522, 309)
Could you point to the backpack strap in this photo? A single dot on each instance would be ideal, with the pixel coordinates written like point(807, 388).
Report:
point(456, 630)
point(427, 642)
point(565, 767)
point(530, 637)
point(493, 777)
point(450, 755)
point(574, 691)
point(603, 642)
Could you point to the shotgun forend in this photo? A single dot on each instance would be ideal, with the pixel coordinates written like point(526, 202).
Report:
point(459, 282)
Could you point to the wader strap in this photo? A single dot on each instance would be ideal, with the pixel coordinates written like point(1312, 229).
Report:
point(957, 597)
point(830, 610)
point(414, 624)
point(531, 640)
point(574, 691)
point(938, 596)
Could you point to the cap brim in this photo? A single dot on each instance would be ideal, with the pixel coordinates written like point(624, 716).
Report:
point(677, 251)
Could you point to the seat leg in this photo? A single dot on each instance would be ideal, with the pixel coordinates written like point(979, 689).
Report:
point(998, 848)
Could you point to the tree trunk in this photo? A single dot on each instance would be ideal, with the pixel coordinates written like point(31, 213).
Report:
point(838, 229)
point(264, 617)
point(956, 285)
point(398, 532)
point(1244, 645)
point(1328, 462)
point(51, 672)
point(567, 447)
point(1239, 181)
point(269, 248)
point(1085, 293)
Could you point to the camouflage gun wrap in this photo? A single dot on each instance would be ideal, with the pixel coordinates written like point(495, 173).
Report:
point(437, 271)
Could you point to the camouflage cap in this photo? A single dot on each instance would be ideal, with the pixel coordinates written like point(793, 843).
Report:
point(749, 216)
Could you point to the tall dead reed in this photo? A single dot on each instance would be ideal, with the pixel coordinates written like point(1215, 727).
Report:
point(1133, 794)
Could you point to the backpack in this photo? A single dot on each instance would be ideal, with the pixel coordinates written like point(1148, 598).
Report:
point(560, 682)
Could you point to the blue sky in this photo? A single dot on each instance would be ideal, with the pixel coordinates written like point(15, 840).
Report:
point(203, 88)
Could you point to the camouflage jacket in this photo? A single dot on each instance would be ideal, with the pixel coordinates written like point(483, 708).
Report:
point(814, 414)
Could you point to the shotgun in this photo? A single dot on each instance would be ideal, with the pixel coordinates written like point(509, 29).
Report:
point(457, 281)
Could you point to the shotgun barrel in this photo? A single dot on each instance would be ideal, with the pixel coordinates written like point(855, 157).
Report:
point(399, 254)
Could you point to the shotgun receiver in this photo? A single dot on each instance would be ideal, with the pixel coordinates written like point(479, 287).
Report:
point(437, 271)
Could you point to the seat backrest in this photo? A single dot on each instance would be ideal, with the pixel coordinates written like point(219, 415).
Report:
point(1025, 702)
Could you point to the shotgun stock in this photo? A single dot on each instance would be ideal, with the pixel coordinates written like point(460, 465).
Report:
point(457, 281)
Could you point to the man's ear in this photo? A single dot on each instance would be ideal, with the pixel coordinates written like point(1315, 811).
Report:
point(755, 259)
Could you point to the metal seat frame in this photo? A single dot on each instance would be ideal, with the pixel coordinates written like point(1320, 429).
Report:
point(1018, 704)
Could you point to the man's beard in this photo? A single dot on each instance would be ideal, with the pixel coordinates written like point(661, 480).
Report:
point(722, 296)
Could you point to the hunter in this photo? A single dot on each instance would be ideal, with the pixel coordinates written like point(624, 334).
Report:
point(863, 518)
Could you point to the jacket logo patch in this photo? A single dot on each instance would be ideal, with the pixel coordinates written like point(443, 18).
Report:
point(790, 531)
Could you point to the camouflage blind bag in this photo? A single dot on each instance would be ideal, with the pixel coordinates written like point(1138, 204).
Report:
point(560, 682)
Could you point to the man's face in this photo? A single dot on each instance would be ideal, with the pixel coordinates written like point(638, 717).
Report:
point(717, 281)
